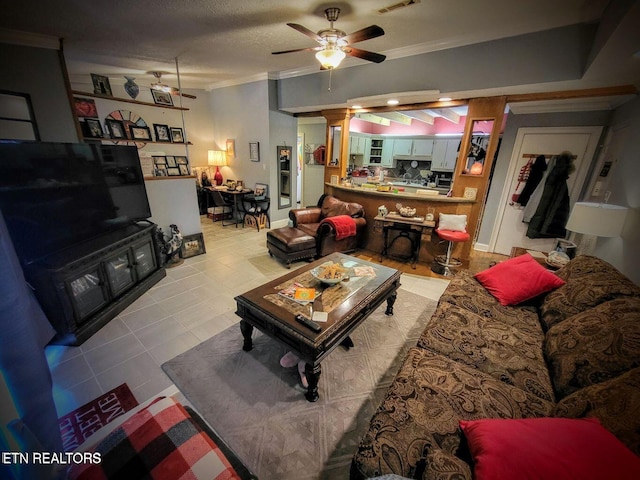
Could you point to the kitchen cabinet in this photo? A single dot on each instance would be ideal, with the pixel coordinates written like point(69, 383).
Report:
point(387, 154)
point(445, 154)
point(357, 145)
point(422, 147)
point(402, 146)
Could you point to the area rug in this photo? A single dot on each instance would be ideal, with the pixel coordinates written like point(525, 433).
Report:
point(259, 408)
point(77, 426)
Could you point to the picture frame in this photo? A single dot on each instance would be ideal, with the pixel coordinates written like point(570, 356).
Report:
point(254, 151)
point(192, 245)
point(171, 161)
point(85, 107)
point(181, 160)
point(161, 98)
point(162, 132)
point(231, 148)
point(116, 128)
point(177, 136)
point(93, 128)
point(161, 170)
point(140, 133)
point(159, 160)
point(101, 85)
point(173, 171)
point(184, 169)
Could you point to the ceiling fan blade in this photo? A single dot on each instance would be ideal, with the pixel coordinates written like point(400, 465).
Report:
point(364, 54)
point(294, 50)
point(188, 95)
point(365, 34)
point(305, 31)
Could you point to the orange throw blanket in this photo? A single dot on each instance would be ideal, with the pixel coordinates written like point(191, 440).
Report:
point(344, 225)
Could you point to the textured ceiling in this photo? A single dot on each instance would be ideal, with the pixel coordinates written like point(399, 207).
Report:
point(227, 41)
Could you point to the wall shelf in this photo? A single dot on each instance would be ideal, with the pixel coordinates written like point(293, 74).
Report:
point(125, 100)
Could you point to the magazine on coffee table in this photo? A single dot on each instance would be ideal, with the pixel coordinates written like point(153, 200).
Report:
point(299, 293)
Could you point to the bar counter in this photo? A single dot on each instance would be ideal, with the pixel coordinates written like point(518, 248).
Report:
point(371, 199)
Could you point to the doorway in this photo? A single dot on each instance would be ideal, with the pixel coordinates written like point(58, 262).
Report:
point(509, 230)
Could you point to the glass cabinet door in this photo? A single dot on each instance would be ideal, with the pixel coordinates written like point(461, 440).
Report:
point(87, 292)
point(145, 260)
point(119, 272)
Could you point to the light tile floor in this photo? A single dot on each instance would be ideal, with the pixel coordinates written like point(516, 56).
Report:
point(191, 304)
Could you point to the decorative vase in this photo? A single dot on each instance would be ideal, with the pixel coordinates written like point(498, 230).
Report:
point(131, 87)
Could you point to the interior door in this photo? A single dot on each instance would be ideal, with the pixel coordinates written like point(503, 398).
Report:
point(509, 229)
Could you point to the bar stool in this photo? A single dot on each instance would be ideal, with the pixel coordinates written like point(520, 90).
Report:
point(452, 229)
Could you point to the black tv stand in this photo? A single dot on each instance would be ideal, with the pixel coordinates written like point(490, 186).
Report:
point(82, 288)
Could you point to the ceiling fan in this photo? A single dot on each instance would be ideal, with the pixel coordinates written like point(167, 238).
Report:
point(335, 44)
point(158, 85)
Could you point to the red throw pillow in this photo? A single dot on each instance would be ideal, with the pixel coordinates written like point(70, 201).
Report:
point(547, 448)
point(518, 279)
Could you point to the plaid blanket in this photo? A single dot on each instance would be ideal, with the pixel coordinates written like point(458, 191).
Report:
point(161, 442)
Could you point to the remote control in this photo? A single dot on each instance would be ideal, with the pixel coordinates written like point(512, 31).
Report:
point(308, 323)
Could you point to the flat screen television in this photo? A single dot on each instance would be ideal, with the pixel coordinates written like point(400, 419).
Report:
point(56, 195)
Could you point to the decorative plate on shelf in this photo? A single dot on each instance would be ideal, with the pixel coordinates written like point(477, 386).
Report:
point(128, 118)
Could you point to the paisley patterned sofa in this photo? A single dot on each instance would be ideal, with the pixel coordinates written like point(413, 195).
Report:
point(574, 353)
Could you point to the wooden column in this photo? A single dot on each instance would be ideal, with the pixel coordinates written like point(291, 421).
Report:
point(480, 109)
point(337, 118)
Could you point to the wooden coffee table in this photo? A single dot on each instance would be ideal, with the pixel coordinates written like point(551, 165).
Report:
point(347, 305)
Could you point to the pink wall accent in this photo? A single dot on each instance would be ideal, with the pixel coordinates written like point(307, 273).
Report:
point(417, 128)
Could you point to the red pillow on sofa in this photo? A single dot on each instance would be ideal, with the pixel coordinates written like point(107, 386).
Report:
point(518, 279)
point(547, 448)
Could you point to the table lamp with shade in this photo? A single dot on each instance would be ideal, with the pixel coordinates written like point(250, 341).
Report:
point(218, 158)
point(595, 220)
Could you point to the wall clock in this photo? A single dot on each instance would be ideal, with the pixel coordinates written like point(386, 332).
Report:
point(128, 118)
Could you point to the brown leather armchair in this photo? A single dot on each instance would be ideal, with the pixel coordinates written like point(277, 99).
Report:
point(309, 220)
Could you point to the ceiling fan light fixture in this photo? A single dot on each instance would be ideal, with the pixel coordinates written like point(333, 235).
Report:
point(161, 87)
point(330, 57)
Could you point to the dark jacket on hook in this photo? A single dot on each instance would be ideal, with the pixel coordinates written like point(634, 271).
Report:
point(552, 213)
point(535, 176)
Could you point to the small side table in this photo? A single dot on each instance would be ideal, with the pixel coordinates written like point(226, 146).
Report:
point(409, 228)
point(537, 255)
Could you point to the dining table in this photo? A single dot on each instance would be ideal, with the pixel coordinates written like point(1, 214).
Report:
point(236, 198)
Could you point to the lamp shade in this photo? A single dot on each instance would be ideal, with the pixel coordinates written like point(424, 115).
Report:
point(217, 158)
point(330, 57)
point(599, 219)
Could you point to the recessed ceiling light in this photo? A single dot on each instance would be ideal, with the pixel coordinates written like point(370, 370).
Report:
point(445, 99)
point(393, 102)
point(356, 106)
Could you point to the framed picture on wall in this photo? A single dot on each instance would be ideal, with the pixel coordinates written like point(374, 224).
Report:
point(139, 133)
point(176, 135)
point(171, 161)
point(162, 132)
point(184, 169)
point(254, 151)
point(115, 128)
point(161, 98)
point(101, 85)
point(173, 171)
point(231, 148)
point(92, 128)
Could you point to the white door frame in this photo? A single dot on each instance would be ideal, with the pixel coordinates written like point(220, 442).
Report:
point(594, 132)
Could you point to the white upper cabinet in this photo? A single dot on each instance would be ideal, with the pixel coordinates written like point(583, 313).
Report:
point(422, 147)
point(357, 145)
point(445, 154)
point(402, 146)
point(407, 147)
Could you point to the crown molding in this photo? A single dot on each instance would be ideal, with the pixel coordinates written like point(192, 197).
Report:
point(26, 39)
point(241, 81)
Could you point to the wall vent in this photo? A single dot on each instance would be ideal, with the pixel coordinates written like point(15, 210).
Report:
point(398, 5)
